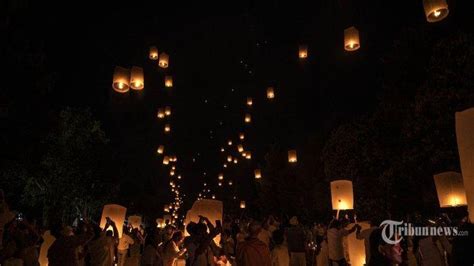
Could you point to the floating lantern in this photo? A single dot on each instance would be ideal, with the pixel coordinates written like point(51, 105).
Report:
point(258, 173)
point(167, 111)
point(249, 101)
point(225, 165)
point(229, 142)
point(164, 60)
point(221, 176)
point(356, 247)
point(161, 113)
point(229, 158)
point(465, 140)
point(450, 189)
point(244, 154)
point(435, 10)
point(240, 148)
point(342, 195)
point(166, 208)
point(303, 51)
point(135, 221)
point(292, 157)
point(230, 183)
point(172, 173)
point(153, 55)
point(248, 155)
point(222, 150)
point(219, 184)
point(236, 161)
point(161, 149)
point(212, 209)
point(121, 79)
point(167, 128)
point(116, 213)
point(248, 118)
point(351, 39)
point(179, 176)
point(160, 223)
point(137, 81)
point(270, 93)
point(173, 167)
point(242, 204)
point(166, 160)
point(242, 136)
point(168, 81)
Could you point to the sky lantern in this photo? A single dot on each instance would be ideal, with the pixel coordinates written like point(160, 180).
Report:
point(135, 221)
point(236, 161)
point(225, 165)
point(303, 51)
point(163, 62)
point(222, 149)
point(248, 118)
point(161, 113)
point(221, 176)
point(167, 128)
point(249, 101)
point(161, 149)
point(229, 158)
point(292, 157)
point(342, 195)
point(116, 213)
point(450, 189)
point(248, 155)
point(242, 204)
point(212, 209)
point(166, 208)
point(160, 223)
point(240, 148)
point(351, 39)
point(137, 81)
point(241, 136)
point(121, 79)
point(270, 93)
point(244, 154)
point(172, 172)
point(230, 183)
point(166, 160)
point(153, 54)
point(435, 10)
point(258, 173)
point(229, 142)
point(168, 81)
point(356, 247)
point(465, 140)
point(167, 110)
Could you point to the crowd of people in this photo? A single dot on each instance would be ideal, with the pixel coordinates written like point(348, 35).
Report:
point(234, 241)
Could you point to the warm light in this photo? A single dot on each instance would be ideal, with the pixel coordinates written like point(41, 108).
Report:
point(241, 136)
point(270, 93)
point(229, 142)
point(221, 176)
point(342, 195)
point(236, 161)
point(229, 158)
point(161, 113)
point(225, 165)
point(164, 60)
point(242, 204)
point(222, 150)
point(167, 111)
point(249, 101)
point(248, 118)
point(213, 196)
point(135, 221)
point(166, 208)
point(121, 79)
point(258, 173)
point(351, 39)
point(167, 128)
point(248, 155)
point(292, 157)
point(168, 81)
point(450, 189)
point(166, 160)
point(244, 154)
point(173, 167)
point(179, 177)
point(465, 140)
point(219, 184)
point(303, 51)
point(171, 173)
point(240, 148)
point(136, 78)
point(435, 10)
point(356, 247)
point(230, 183)
point(161, 149)
point(153, 53)
point(116, 213)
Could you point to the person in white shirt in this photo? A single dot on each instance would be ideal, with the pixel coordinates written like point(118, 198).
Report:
point(171, 251)
point(365, 235)
point(280, 255)
point(124, 243)
point(335, 237)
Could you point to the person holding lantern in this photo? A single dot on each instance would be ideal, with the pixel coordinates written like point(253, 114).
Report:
point(335, 236)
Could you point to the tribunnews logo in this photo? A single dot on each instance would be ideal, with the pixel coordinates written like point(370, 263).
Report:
point(394, 231)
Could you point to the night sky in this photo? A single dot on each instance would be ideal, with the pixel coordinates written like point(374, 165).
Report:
point(219, 55)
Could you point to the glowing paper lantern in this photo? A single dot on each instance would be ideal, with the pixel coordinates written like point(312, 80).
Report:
point(465, 139)
point(242, 204)
point(212, 209)
point(356, 247)
point(222, 150)
point(135, 221)
point(249, 101)
point(163, 62)
point(303, 51)
point(351, 39)
point(153, 54)
point(241, 136)
point(171, 173)
point(225, 165)
point(166, 160)
point(221, 176)
point(270, 93)
point(116, 213)
point(168, 81)
point(48, 240)
point(258, 173)
point(229, 158)
point(219, 184)
point(229, 142)
point(236, 161)
point(450, 189)
point(160, 223)
point(167, 111)
point(121, 79)
point(244, 154)
point(161, 149)
point(248, 155)
point(292, 157)
point(166, 208)
point(167, 128)
point(240, 148)
point(248, 118)
point(435, 10)
point(161, 113)
point(342, 195)
point(230, 183)
point(137, 81)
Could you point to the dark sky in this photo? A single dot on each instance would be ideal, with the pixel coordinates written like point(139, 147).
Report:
point(219, 55)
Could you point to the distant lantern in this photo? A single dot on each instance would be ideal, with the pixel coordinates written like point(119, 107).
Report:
point(249, 101)
point(450, 189)
point(167, 111)
point(166, 208)
point(168, 81)
point(435, 10)
point(465, 140)
point(137, 81)
point(161, 149)
point(219, 184)
point(303, 51)
point(240, 148)
point(160, 223)
point(342, 195)
point(236, 161)
point(116, 213)
point(153, 53)
point(121, 79)
point(225, 165)
point(172, 173)
point(179, 177)
point(351, 39)
point(230, 183)
point(258, 173)
point(221, 176)
point(166, 160)
point(167, 128)
point(213, 196)
point(241, 136)
point(173, 167)
point(222, 150)
point(161, 113)
point(244, 154)
point(229, 142)
point(229, 158)
point(292, 157)
point(135, 221)
point(163, 62)
point(248, 155)
point(248, 118)
point(270, 93)
point(242, 204)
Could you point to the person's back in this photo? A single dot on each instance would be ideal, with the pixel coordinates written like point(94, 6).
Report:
point(280, 256)
point(428, 252)
point(296, 239)
point(101, 251)
point(253, 252)
point(335, 245)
